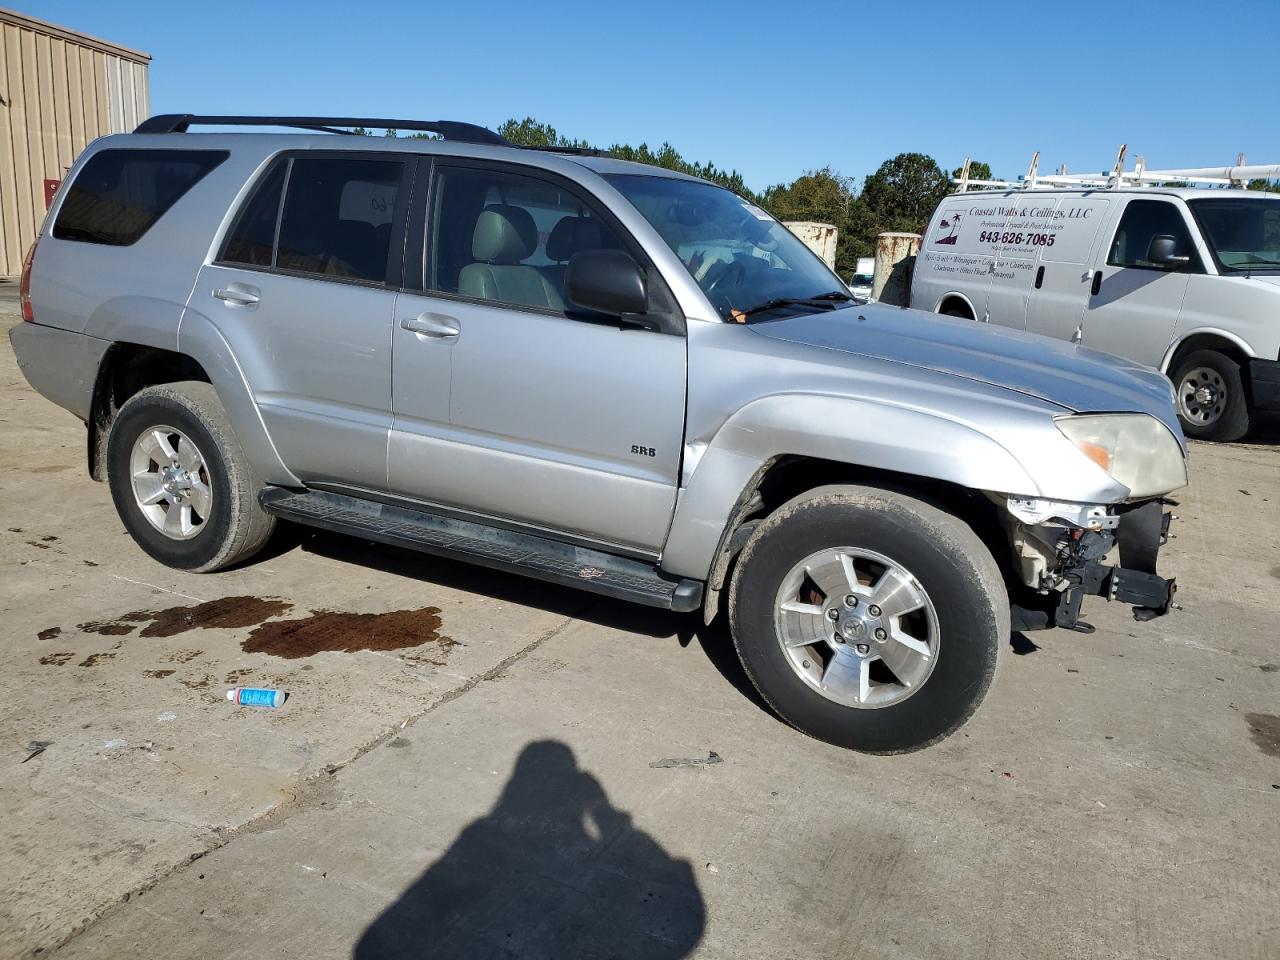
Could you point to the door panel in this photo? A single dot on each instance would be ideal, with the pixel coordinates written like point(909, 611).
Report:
point(301, 292)
point(1057, 307)
point(317, 357)
point(1136, 308)
point(531, 413)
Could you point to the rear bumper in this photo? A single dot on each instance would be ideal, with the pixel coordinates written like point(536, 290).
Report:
point(59, 364)
point(1264, 379)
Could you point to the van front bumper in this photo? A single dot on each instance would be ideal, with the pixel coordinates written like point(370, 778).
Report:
point(60, 364)
point(1264, 379)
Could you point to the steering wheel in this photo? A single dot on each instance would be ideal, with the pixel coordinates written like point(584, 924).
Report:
point(733, 268)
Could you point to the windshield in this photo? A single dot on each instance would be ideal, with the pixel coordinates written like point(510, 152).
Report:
point(1242, 233)
point(744, 260)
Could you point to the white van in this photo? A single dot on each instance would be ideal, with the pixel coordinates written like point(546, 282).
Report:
point(863, 278)
point(1184, 280)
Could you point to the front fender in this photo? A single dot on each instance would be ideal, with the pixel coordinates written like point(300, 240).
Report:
point(870, 434)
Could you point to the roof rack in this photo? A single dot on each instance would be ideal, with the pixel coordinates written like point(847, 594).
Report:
point(448, 129)
point(1233, 176)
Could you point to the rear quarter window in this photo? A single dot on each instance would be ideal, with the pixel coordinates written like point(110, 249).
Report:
point(120, 194)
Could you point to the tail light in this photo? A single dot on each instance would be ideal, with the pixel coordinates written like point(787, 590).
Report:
point(24, 289)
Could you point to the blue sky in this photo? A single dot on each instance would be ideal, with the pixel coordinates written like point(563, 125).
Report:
point(771, 89)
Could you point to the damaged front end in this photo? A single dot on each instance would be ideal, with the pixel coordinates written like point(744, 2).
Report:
point(1059, 550)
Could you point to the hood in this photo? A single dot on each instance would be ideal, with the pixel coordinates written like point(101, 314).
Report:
point(1077, 379)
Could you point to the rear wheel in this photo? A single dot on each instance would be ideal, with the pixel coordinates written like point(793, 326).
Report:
point(869, 619)
point(180, 481)
point(1211, 397)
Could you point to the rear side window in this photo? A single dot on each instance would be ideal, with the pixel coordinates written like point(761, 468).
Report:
point(253, 238)
point(330, 217)
point(338, 217)
point(120, 194)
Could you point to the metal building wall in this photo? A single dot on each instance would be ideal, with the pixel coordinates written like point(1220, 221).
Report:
point(59, 90)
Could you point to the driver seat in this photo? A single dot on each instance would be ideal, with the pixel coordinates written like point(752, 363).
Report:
point(504, 236)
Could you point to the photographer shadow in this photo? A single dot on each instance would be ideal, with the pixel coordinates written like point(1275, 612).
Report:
point(553, 870)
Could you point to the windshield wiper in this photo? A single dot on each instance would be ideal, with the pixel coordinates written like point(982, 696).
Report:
point(1256, 262)
point(774, 303)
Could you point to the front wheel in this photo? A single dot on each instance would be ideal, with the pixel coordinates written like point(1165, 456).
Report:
point(869, 619)
point(180, 481)
point(1211, 398)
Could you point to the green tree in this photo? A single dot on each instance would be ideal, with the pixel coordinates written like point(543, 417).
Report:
point(977, 171)
point(904, 192)
point(1270, 186)
point(824, 196)
point(530, 133)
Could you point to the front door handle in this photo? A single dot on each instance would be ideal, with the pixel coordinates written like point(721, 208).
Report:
point(1040, 277)
point(1097, 282)
point(434, 325)
point(238, 294)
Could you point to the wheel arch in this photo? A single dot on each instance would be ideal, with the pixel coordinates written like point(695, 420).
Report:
point(958, 299)
point(1205, 339)
point(128, 367)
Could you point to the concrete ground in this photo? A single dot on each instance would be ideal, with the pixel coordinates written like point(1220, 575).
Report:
point(489, 777)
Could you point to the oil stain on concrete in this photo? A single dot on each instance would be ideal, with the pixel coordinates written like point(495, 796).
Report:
point(227, 613)
point(1265, 728)
point(330, 630)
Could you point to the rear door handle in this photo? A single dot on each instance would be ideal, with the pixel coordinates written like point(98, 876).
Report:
point(1097, 282)
point(434, 325)
point(238, 294)
point(1040, 278)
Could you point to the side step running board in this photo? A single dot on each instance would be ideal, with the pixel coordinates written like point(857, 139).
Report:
point(533, 556)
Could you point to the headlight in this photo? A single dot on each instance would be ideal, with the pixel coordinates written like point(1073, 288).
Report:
point(1137, 450)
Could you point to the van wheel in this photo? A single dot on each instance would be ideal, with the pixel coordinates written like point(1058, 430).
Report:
point(869, 619)
point(180, 481)
point(955, 309)
point(1211, 397)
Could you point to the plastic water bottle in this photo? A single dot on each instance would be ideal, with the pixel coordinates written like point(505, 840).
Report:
point(256, 697)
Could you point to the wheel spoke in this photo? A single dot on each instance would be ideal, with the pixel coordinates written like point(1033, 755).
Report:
point(187, 456)
point(896, 594)
point(803, 624)
point(902, 659)
point(148, 488)
point(849, 675)
point(173, 521)
point(201, 498)
point(834, 575)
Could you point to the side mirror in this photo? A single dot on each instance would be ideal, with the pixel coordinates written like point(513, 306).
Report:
point(1163, 252)
point(606, 281)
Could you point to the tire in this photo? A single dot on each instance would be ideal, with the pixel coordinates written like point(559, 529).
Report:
point(1211, 398)
point(965, 605)
point(954, 309)
point(224, 523)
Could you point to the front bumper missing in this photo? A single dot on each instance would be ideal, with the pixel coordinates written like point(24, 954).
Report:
point(1081, 573)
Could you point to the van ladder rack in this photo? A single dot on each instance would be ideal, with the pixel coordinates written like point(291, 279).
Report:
point(1234, 176)
point(448, 129)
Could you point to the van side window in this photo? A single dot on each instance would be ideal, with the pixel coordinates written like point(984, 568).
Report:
point(252, 240)
point(120, 194)
point(508, 238)
point(1142, 220)
point(338, 217)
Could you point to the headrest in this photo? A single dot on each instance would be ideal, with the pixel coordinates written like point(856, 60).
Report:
point(572, 235)
point(503, 234)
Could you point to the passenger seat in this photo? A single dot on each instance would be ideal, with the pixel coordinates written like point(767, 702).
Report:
point(504, 236)
point(569, 236)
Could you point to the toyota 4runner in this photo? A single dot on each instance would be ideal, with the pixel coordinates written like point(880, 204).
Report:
point(594, 373)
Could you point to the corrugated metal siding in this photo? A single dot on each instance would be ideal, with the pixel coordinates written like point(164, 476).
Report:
point(59, 92)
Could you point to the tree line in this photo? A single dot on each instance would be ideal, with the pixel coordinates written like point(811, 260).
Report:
point(900, 196)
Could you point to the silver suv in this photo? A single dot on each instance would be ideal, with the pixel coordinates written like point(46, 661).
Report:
point(595, 373)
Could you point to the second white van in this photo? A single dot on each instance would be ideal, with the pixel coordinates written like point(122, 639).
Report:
point(1184, 280)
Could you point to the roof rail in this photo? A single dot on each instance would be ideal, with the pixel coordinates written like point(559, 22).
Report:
point(448, 129)
point(1118, 176)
